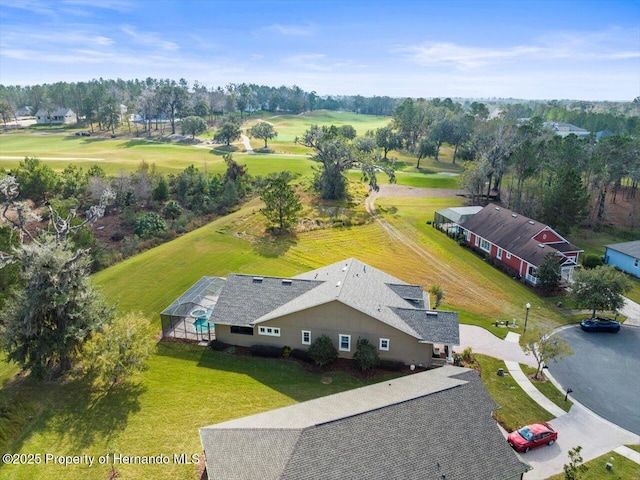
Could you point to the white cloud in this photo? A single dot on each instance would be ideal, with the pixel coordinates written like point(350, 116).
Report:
point(309, 61)
point(149, 39)
point(611, 44)
point(460, 56)
point(292, 30)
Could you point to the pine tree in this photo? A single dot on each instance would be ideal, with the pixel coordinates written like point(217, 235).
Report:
point(566, 202)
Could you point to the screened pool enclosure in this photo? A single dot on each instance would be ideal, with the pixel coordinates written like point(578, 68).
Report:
point(188, 316)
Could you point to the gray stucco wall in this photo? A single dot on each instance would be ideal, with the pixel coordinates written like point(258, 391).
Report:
point(334, 319)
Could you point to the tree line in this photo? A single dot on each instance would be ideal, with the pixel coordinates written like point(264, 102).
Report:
point(99, 101)
point(150, 207)
point(521, 162)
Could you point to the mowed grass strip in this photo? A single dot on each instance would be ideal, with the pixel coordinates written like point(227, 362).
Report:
point(623, 469)
point(470, 284)
point(115, 155)
point(548, 389)
point(517, 409)
point(184, 388)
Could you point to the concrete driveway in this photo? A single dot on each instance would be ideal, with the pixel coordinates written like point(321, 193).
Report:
point(580, 427)
point(604, 373)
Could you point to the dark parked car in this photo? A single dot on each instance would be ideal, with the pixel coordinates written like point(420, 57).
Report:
point(597, 324)
point(532, 436)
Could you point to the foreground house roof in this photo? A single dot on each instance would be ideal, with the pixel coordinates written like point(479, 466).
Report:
point(515, 233)
point(435, 424)
point(250, 300)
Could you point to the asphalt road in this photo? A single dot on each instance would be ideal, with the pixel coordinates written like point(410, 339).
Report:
point(604, 373)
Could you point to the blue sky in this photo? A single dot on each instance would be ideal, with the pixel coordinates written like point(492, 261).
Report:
point(544, 49)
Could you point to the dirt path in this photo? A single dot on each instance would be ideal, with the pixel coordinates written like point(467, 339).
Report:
point(402, 191)
point(474, 298)
point(395, 190)
point(246, 143)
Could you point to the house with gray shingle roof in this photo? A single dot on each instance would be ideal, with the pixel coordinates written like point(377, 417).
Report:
point(57, 116)
point(518, 242)
point(346, 301)
point(435, 424)
point(625, 256)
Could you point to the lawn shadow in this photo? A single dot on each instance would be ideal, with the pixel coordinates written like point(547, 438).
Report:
point(137, 142)
point(86, 140)
point(219, 151)
point(274, 245)
point(293, 378)
point(94, 415)
point(79, 414)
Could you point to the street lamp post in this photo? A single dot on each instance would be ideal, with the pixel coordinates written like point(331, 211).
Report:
point(528, 305)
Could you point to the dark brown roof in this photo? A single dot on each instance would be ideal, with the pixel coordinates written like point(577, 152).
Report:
point(513, 233)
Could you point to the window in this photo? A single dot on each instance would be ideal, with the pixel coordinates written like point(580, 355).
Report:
point(242, 330)
point(306, 337)
point(467, 235)
point(508, 256)
point(345, 343)
point(270, 331)
point(477, 240)
point(485, 245)
point(384, 344)
point(499, 254)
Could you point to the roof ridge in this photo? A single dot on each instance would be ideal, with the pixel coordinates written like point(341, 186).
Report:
point(346, 271)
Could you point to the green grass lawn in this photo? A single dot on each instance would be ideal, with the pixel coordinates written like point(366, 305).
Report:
point(623, 469)
point(114, 155)
point(548, 389)
point(479, 291)
point(516, 407)
point(186, 387)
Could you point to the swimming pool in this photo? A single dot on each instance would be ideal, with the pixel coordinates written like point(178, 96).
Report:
point(202, 325)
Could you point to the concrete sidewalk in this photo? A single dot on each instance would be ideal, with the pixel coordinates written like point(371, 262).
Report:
point(518, 375)
point(485, 342)
point(579, 426)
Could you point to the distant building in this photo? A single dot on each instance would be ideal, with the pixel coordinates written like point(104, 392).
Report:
point(625, 256)
point(24, 111)
point(566, 129)
point(59, 116)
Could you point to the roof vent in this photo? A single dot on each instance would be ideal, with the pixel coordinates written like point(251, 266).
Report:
point(431, 313)
point(344, 269)
point(338, 284)
point(531, 222)
point(287, 281)
point(257, 279)
point(497, 208)
point(514, 215)
point(541, 245)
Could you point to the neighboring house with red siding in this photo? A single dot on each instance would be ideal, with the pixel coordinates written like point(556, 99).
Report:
point(518, 242)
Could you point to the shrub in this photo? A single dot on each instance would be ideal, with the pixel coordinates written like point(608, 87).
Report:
point(149, 225)
point(392, 365)
point(467, 355)
point(592, 261)
point(301, 355)
point(268, 351)
point(322, 351)
point(218, 346)
point(366, 356)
